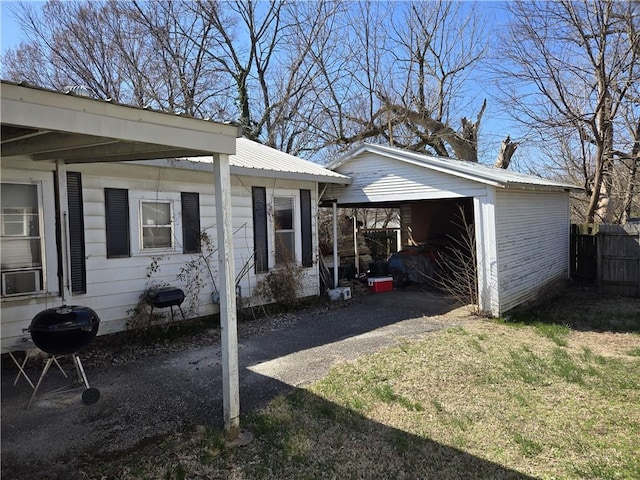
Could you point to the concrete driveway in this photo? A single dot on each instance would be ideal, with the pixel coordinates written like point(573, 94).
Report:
point(149, 398)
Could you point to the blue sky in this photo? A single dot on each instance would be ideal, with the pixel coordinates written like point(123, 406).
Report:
point(495, 125)
point(11, 34)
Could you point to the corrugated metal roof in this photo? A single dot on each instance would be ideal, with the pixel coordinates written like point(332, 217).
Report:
point(255, 159)
point(469, 170)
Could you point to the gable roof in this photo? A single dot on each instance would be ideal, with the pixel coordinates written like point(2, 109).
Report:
point(257, 160)
point(460, 168)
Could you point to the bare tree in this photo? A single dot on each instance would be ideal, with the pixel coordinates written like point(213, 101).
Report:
point(571, 70)
point(174, 73)
point(399, 78)
point(70, 43)
point(309, 78)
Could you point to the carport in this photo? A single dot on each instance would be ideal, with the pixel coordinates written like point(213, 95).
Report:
point(48, 126)
point(521, 222)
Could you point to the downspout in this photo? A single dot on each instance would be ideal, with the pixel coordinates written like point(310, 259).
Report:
point(63, 209)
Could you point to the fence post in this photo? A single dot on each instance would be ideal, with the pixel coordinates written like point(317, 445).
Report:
point(599, 262)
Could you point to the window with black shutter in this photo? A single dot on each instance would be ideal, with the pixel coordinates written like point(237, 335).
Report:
point(190, 222)
point(259, 201)
point(76, 233)
point(116, 201)
point(306, 230)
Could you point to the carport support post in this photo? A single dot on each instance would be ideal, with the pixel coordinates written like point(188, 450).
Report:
point(228, 316)
point(335, 244)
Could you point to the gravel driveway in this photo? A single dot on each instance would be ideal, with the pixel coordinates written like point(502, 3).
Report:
point(147, 398)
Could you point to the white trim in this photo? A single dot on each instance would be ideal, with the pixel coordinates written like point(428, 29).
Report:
point(46, 223)
point(468, 170)
point(297, 227)
point(48, 110)
point(486, 251)
point(136, 198)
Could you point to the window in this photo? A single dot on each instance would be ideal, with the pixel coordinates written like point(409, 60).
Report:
point(291, 233)
point(21, 239)
point(156, 219)
point(285, 241)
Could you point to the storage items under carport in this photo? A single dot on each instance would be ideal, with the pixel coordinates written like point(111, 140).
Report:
point(413, 265)
point(380, 284)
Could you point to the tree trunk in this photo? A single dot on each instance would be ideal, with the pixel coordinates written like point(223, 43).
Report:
point(507, 149)
point(631, 184)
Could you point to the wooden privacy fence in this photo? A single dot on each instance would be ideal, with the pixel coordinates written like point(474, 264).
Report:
point(610, 258)
point(619, 260)
point(584, 255)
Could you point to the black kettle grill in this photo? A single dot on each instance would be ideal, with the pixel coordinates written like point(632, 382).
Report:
point(61, 331)
point(64, 330)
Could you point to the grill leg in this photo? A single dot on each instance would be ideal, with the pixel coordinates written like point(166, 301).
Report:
point(50, 360)
point(80, 370)
point(55, 360)
point(20, 366)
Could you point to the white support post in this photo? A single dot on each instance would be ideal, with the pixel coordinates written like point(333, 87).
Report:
point(356, 255)
point(228, 316)
point(335, 245)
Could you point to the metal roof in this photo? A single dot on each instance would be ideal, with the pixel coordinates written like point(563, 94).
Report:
point(254, 159)
point(469, 170)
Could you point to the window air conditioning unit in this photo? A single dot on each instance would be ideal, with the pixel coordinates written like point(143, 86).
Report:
point(14, 283)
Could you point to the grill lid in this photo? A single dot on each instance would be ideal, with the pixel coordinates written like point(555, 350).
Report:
point(65, 318)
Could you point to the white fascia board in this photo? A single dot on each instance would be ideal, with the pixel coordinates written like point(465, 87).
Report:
point(433, 163)
point(403, 158)
point(46, 110)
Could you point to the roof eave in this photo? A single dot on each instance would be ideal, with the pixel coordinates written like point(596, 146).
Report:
point(186, 164)
point(307, 177)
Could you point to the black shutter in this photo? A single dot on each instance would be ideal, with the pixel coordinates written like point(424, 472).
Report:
point(76, 233)
point(259, 199)
point(305, 225)
point(190, 222)
point(116, 202)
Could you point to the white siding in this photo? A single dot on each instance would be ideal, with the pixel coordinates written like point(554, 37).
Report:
point(383, 179)
point(532, 231)
point(486, 250)
point(114, 285)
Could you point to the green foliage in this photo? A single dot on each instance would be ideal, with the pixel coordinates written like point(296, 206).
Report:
point(634, 352)
point(564, 366)
point(527, 446)
point(555, 332)
point(526, 366)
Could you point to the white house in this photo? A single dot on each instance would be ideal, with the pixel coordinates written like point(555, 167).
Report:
point(81, 225)
point(522, 222)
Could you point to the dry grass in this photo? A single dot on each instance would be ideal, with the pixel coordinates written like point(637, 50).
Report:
point(490, 400)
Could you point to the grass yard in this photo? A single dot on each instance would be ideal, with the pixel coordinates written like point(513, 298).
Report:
point(488, 400)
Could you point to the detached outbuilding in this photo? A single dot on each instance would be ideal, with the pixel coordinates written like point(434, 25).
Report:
point(522, 222)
